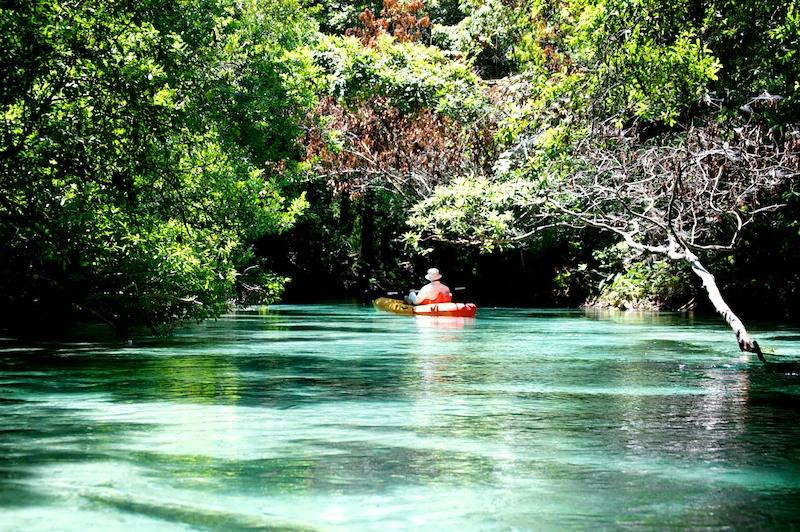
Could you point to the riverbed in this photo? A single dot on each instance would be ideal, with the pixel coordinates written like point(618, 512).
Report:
point(341, 417)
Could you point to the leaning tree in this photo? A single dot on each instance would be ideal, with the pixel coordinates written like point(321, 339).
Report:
point(681, 200)
point(631, 118)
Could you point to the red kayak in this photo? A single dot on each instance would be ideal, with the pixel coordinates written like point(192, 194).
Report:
point(458, 310)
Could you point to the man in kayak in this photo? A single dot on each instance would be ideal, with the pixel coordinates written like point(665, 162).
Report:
point(433, 292)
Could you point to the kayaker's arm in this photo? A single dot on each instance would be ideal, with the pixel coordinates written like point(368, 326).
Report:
point(412, 297)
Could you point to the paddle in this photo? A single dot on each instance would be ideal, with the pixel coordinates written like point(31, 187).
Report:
point(457, 288)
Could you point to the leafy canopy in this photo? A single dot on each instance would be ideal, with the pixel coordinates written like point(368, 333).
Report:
point(143, 145)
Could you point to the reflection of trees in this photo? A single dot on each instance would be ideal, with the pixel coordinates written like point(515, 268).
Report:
point(639, 317)
point(595, 426)
point(195, 378)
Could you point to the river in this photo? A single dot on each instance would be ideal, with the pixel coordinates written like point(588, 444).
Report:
point(340, 417)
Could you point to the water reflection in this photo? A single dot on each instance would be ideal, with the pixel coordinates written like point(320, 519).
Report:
point(340, 416)
point(443, 322)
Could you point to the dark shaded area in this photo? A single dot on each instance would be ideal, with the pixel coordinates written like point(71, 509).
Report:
point(751, 63)
point(763, 279)
point(194, 516)
point(332, 255)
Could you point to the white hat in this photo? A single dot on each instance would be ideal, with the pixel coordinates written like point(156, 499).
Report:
point(433, 274)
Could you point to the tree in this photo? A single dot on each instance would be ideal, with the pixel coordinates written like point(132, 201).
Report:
point(690, 197)
point(677, 201)
point(393, 115)
point(142, 148)
point(401, 19)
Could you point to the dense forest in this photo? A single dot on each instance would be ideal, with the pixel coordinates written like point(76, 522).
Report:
point(161, 161)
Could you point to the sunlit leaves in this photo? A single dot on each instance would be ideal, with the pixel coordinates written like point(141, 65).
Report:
point(412, 76)
point(475, 211)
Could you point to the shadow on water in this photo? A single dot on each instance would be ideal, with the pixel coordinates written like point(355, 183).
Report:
point(790, 370)
point(260, 379)
point(671, 346)
point(350, 467)
point(787, 337)
point(195, 516)
point(35, 437)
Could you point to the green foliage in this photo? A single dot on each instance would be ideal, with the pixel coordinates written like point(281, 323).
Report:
point(409, 75)
point(140, 151)
point(645, 58)
point(144, 146)
point(337, 16)
point(757, 46)
point(620, 60)
point(641, 284)
point(444, 12)
point(472, 210)
point(257, 285)
point(582, 69)
point(486, 36)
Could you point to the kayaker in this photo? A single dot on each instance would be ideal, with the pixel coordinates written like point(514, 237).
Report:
point(433, 292)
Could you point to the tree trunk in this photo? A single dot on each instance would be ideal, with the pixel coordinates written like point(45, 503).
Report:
point(710, 284)
point(367, 247)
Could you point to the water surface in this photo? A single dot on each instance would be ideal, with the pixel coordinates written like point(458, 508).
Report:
point(341, 417)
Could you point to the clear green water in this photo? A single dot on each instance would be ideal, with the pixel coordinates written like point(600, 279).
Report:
point(341, 417)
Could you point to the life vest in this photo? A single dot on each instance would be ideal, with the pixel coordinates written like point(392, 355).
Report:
point(434, 292)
